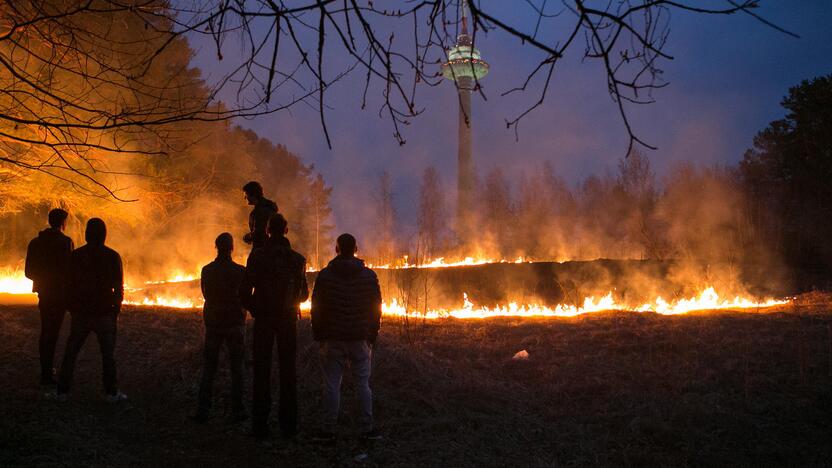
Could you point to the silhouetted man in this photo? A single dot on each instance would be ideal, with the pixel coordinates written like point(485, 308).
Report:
point(260, 215)
point(222, 284)
point(277, 275)
point(346, 315)
point(96, 289)
point(47, 265)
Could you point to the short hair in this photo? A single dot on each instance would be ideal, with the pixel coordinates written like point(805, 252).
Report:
point(277, 224)
point(57, 217)
point(96, 232)
point(253, 188)
point(224, 242)
point(346, 244)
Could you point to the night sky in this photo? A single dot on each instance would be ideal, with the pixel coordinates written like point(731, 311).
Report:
point(726, 82)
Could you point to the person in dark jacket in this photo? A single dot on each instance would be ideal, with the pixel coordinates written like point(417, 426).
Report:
point(346, 315)
point(259, 217)
point(96, 289)
point(277, 276)
point(222, 284)
point(47, 265)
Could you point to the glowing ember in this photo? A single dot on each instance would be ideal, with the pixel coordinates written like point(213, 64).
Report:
point(160, 301)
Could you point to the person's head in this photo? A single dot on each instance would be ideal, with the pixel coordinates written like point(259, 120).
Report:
point(346, 245)
point(253, 191)
point(224, 244)
point(278, 226)
point(96, 231)
point(57, 218)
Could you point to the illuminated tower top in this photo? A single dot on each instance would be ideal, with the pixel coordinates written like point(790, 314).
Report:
point(465, 65)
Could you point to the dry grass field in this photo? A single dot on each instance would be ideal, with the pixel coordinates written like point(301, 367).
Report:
point(622, 389)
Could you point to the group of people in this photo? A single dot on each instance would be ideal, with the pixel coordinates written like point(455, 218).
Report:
point(346, 315)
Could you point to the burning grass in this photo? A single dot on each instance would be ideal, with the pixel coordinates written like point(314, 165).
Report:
point(611, 388)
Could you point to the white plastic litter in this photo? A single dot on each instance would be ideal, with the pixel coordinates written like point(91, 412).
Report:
point(521, 355)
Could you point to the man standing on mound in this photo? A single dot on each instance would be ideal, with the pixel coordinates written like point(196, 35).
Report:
point(258, 220)
point(346, 315)
point(96, 289)
point(277, 275)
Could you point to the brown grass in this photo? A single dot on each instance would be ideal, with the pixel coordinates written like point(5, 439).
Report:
point(719, 388)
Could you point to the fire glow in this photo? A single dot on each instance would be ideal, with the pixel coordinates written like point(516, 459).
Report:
point(708, 299)
point(14, 282)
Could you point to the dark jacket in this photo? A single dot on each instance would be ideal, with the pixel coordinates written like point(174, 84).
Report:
point(346, 302)
point(277, 274)
point(96, 281)
point(222, 284)
point(258, 221)
point(47, 262)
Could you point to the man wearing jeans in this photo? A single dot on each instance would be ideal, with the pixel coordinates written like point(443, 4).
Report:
point(346, 315)
point(96, 289)
point(222, 283)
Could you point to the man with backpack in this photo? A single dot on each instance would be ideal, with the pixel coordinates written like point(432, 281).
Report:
point(276, 273)
point(47, 265)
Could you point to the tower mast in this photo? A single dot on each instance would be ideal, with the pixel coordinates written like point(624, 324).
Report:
point(465, 67)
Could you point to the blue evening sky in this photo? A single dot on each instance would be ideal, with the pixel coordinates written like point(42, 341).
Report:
point(726, 82)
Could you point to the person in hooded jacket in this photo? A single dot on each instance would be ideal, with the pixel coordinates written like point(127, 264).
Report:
point(222, 283)
point(96, 289)
point(258, 219)
point(277, 276)
point(346, 316)
point(47, 265)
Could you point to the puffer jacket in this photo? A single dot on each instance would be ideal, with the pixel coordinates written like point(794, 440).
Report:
point(346, 301)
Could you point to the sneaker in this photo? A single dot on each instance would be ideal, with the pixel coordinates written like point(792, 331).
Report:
point(372, 434)
point(323, 437)
point(55, 396)
point(115, 397)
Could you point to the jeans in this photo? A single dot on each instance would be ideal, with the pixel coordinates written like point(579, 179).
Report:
point(266, 332)
point(215, 337)
point(335, 355)
point(105, 328)
point(52, 312)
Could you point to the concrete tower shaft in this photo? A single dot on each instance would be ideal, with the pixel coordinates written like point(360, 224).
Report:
point(465, 67)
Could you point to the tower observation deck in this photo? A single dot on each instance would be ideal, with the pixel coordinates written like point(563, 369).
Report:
point(465, 67)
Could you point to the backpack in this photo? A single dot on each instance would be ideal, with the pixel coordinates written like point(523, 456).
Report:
point(285, 282)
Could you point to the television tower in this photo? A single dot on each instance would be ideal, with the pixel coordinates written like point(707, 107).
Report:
point(465, 68)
